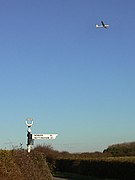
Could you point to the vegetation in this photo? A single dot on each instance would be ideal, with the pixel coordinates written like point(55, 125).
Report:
point(117, 161)
point(17, 164)
point(96, 164)
point(117, 168)
point(49, 154)
point(124, 149)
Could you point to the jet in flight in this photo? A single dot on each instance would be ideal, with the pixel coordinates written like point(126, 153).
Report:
point(102, 25)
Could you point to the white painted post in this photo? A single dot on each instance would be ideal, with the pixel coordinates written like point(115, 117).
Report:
point(29, 123)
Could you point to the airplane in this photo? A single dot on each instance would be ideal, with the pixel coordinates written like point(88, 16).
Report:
point(102, 25)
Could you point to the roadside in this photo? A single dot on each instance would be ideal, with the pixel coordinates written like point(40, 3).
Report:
point(56, 178)
point(70, 176)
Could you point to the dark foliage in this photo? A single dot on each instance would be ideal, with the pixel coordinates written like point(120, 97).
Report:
point(124, 149)
point(98, 168)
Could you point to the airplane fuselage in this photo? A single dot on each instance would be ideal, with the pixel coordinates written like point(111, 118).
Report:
point(102, 25)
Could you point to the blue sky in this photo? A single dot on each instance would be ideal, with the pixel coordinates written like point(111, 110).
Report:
point(73, 79)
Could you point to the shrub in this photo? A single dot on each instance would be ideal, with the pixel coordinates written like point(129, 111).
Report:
point(49, 154)
point(18, 164)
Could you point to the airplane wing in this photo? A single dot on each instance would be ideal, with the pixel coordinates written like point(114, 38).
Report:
point(102, 23)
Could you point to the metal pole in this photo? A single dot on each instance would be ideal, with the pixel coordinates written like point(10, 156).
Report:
point(29, 139)
point(29, 123)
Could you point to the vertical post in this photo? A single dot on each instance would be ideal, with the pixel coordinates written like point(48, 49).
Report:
point(29, 139)
point(29, 123)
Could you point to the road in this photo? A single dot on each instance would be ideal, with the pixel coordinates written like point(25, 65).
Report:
point(56, 178)
point(89, 178)
point(69, 176)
